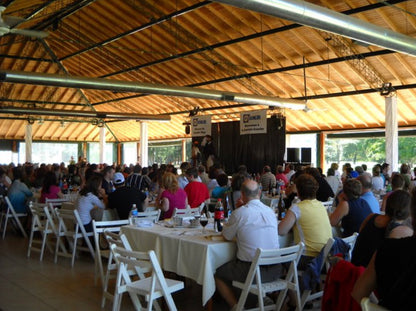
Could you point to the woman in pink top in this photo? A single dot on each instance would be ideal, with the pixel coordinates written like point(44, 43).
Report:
point(172, 196)
point(49, 189)
point(281, 177)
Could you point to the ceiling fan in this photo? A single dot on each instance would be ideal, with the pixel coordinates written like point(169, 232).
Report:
point(7, 22)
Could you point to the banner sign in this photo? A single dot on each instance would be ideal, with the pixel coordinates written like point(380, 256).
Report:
point(253, 122)
point(200, 126)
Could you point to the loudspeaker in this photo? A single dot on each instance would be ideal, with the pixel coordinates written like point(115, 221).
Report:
point(306, 155)
point(187, 129)
point(292, 155)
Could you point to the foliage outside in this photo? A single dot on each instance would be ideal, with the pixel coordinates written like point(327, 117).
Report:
point(367, 150)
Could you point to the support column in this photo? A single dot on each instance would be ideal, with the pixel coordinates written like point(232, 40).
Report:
point(84, 151)
point(28, 142)
point(102, 144)
point(392, 140)
point(144, 145)
point(183, 150)
point(119, 159)
point(321, 151)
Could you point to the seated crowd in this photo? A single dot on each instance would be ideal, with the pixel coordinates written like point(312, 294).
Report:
point(377, 206)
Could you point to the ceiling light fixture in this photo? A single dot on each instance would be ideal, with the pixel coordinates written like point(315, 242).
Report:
point(146, 88)
point(86, 114)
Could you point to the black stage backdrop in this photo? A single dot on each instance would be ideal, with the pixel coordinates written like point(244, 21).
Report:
point(253, 150)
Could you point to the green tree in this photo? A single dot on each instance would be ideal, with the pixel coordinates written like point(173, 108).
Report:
point(407, 150)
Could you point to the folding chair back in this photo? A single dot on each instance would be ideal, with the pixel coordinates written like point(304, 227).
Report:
point(40, 224)
point(98, 229)
point(187, 212)
point(150, 209)
point(10, 213)
point(119, 240)
point(152, 216)
point(290, 255)
point(351, 242)
point(151, 288)
point(56, 202)
point(307, 294)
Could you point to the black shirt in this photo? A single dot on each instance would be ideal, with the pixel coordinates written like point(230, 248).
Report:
point(123, 198)
point(395, 265)
point(369, 239)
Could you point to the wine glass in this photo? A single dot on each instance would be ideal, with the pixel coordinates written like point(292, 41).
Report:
point(203, 221)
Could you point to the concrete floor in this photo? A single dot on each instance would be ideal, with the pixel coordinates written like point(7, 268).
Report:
point(28, 284)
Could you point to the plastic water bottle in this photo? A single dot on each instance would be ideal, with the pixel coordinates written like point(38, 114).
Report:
point(134, 211)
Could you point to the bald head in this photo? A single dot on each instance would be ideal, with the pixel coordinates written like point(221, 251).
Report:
point(365, 181)
point(250, 190)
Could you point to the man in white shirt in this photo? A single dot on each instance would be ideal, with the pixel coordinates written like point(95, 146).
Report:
point(254, 225)
point(290, 173)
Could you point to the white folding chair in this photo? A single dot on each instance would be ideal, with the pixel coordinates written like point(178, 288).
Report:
point(187, 212)
point(56, 202)
point(98, 229)
point(367, 305)
point(119, 240)
point(150, 209)
point(10, 213)
point(290, 255)
point(40, 224)
point(307, 294)
point(350, 240)
point(328, 204)
point(152, 216)
point(151, 288)
point(73, 220)
point(53, 223)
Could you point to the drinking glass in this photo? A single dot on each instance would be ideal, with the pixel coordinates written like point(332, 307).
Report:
point(203, 221)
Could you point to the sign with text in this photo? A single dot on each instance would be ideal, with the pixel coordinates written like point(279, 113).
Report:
point(253, 122)
point(200, 126)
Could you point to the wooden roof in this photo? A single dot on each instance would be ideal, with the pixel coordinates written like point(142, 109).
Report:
point(206, 45)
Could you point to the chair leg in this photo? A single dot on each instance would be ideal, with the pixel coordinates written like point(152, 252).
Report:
point(6, 220)
point(58, 241)
point(42, 251)
point(170, 302)
point(281, 299)
point(19, 224)
point(30, 242)
point(74, 250)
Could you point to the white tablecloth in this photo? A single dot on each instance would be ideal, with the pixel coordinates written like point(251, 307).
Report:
point(187, 252)
point(184, 251)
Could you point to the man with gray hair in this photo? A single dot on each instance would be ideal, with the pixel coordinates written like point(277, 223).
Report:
point(254, 225)
point(367, 194)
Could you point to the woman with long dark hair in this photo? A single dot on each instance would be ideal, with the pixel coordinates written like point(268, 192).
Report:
point(392, 269)
point(90, 196)
point(50, 189)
